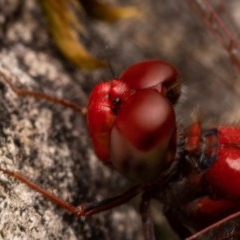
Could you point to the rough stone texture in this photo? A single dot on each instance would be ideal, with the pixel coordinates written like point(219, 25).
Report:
point(50, 144)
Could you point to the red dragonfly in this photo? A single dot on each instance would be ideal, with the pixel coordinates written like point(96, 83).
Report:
point(201, 153)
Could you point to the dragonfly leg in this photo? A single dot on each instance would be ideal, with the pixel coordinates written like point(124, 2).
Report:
point(42, 96)
point(147, 221)
point(88, 209)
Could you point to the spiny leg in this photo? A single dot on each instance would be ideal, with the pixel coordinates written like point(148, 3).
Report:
point(88, 209)
point(147, 221)
point(43, 96)
point(218, 229)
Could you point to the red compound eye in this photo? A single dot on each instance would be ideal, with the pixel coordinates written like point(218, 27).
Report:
point(104, 103)
point(142, 136)
point(132, 122)
point(154, 74)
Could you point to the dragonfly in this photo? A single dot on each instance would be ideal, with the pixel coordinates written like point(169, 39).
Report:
point(172, 180)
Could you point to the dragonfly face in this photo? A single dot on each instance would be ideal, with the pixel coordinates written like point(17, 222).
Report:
point(138, 145)
point(132, 121)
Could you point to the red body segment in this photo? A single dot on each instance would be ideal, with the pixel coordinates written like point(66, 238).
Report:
point(204, 211)
point(220, 181)
point(229, 136)
point(193, 134)
point(224, 175)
